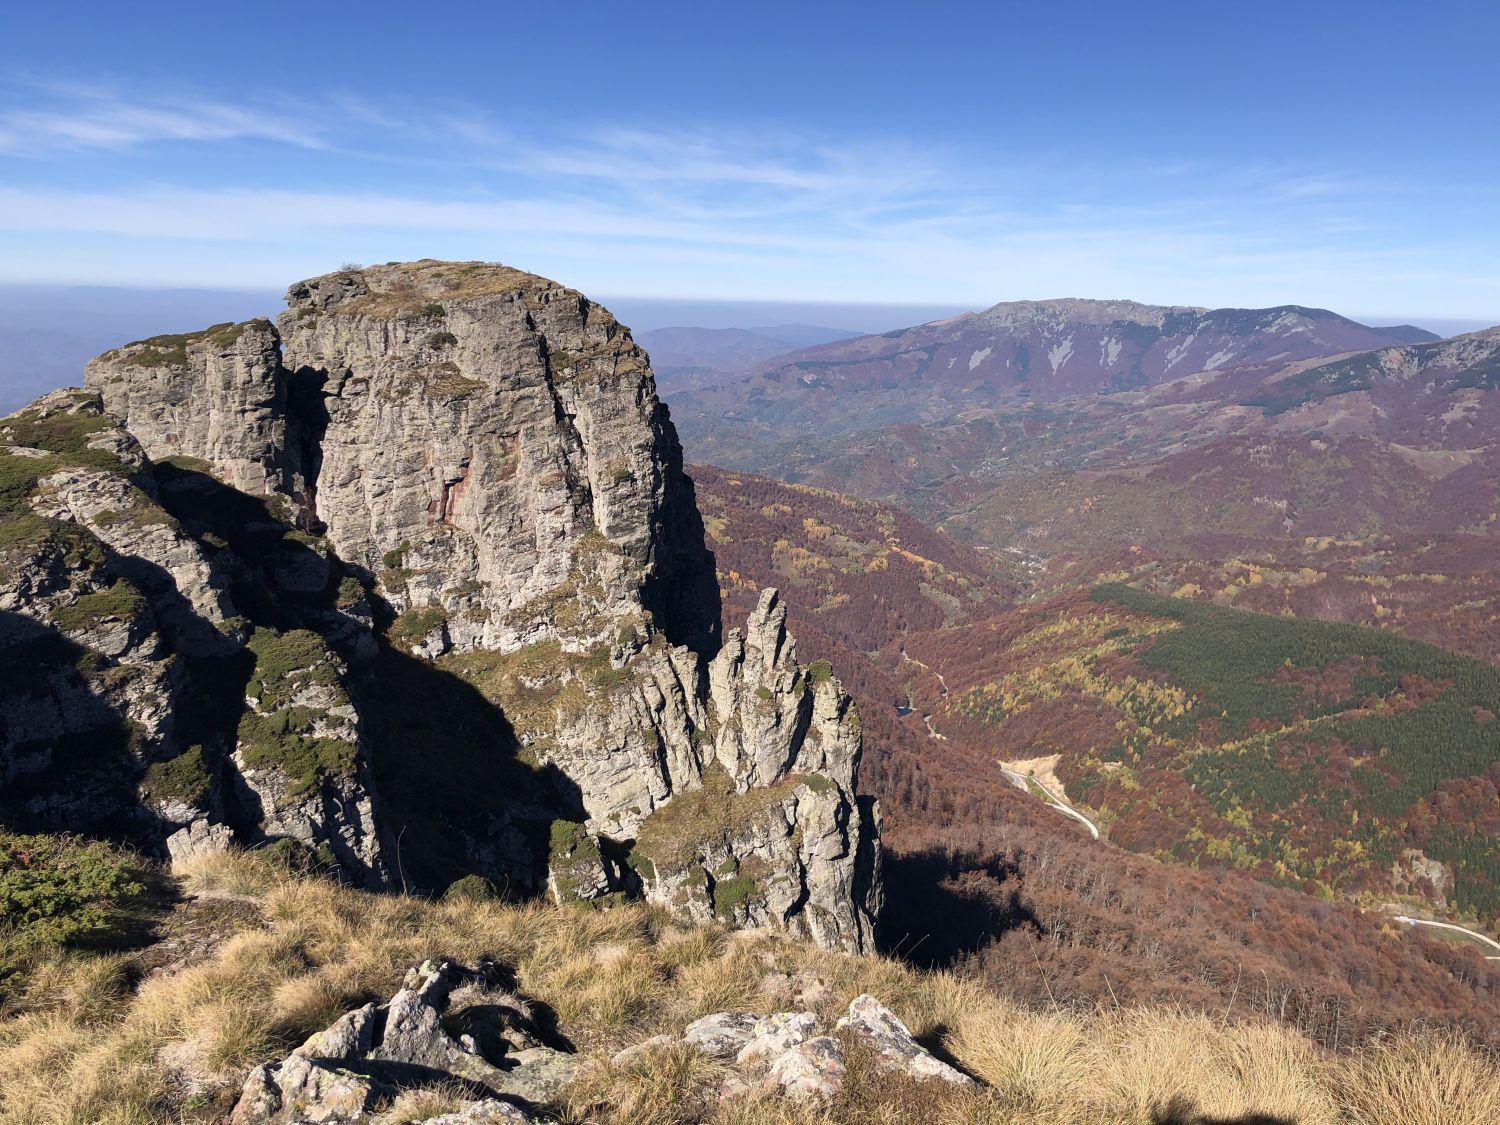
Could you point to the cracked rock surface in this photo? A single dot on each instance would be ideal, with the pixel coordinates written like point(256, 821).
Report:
point(795, 1054)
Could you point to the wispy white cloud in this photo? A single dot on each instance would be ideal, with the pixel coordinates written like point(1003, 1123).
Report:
point(1189, 257)
point(65, 117)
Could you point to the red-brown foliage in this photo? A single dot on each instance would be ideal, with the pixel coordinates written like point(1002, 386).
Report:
point(986, 878)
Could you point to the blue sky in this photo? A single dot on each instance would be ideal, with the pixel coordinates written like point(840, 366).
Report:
point(1336, 154)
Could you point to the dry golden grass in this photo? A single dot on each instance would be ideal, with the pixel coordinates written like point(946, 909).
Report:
point(78, 1045)
point(419, 1105)
point(1428, 1080)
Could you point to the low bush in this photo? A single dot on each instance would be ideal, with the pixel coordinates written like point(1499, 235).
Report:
point(66, 891)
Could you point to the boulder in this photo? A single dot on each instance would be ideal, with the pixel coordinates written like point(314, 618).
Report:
point(898, 1050)
point(373, 1052)
point(775, 1034)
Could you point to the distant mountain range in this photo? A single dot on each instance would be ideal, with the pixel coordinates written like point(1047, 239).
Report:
point(1041, 351)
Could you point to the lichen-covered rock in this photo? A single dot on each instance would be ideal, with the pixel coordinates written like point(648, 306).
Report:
point(813, 1069)
point(773, 1035)
point(794, 1054)
point(721, 1035)
point(893, 1040)
point(306, 1090)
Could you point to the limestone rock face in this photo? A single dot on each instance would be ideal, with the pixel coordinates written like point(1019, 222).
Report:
point(302, 762)
point(502, 433)
point(127, 701)
point(218, 395)
point(421, 561)
point(789, 846)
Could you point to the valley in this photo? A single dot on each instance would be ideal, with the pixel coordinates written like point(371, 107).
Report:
point(988, 872)
point(1124, 535)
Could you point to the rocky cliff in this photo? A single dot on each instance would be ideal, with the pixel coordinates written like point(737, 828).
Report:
point(414, 579)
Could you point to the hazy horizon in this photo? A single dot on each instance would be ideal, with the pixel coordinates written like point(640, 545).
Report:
point(48, 332)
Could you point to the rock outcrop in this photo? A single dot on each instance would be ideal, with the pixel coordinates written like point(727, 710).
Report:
point(454, 1029)
point(420, 562)
point(216, 395)
point(138, 701)
point(794, 1053)
point(372, 1053)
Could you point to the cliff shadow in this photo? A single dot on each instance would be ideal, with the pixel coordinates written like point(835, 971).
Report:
point(68, 763)
point(683, 592)
point(65, 748)
point(459, 792)
point(280, 576)
point(937, 912)
point(307, 424)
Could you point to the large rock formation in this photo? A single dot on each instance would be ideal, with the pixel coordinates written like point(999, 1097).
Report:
point(415, 578)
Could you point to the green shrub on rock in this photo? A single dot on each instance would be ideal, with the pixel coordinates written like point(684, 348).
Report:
point(417, 625)
point(184, 778)
point(121, 602)
point(281, 658)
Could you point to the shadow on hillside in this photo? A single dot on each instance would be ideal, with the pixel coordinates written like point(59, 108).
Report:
point(455, 787)
point(277, 579)
point(458, 796)
point(78, 780)
point(928, 919)
point(1181, 1110)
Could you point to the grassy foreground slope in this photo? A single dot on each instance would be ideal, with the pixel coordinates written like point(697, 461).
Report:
point(254, 958)
point(1340, 759)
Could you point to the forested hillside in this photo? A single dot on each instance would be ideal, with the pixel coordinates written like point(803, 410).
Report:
point(1358, 487)
point(1342, 761)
